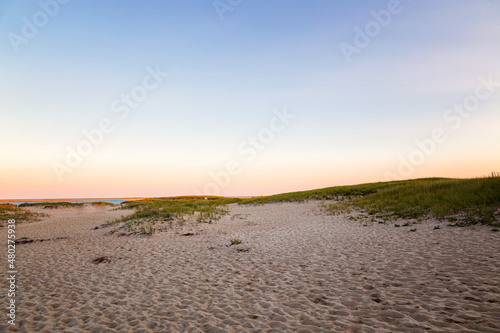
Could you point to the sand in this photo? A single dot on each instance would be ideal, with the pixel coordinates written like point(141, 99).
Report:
point(296, 270)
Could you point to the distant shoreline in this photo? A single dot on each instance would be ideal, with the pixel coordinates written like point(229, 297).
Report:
point(2, 201)
point(59, 200)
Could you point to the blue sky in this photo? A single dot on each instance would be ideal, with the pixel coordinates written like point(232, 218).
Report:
point(354, 120)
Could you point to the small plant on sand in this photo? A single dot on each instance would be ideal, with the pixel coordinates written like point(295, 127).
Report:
point(239, 216)
point(406, 224)
point(397, 225)
point(235, 241)
point(413, 230)
point(437, 227)
point(458, 224)
point(150, 230)
point(495, 229)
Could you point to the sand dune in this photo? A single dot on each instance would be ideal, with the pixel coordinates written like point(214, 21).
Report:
point(296, 270)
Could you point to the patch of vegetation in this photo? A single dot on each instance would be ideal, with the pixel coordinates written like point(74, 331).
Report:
point(210, 216)
point(65, 204)
point(239, 216)
point(413, 230)
point(10, 211)
point(235, 242)
point(162, 214)
point(53, 204)
point(474, 200)
point(338, 193)
point(101, 203)
point(459, 224)
point(177, 198)
point(437, 227)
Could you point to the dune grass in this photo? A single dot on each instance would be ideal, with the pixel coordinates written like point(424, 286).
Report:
point(333, 193)
point(101, 203)
point(472, 200)
point(159, 214)
point(475, 200)
point(175, 206)
point(10, 211)
point(65, 204)
point(465, 201)
point(474, 197)
point(52, 204)
point(177, 198)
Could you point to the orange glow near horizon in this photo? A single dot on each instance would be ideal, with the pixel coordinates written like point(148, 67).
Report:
point(253, 181)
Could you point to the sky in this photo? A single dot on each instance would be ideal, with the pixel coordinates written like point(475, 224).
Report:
point(152, 98)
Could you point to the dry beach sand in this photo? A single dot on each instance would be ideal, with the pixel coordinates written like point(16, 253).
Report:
point(296, 270)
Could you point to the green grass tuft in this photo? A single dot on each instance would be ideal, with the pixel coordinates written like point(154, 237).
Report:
point(10, 211)
point(235, 242)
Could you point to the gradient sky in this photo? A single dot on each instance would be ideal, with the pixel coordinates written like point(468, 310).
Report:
point(230, 70)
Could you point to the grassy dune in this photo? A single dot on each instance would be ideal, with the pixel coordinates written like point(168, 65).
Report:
point(65, 204)
point(10, 211)
point(160, 214)
point(472, 200)
point(175, 206)
point(337, 192)
point(464, 201)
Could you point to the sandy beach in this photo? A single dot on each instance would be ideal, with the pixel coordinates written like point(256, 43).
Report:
point(297, 269)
